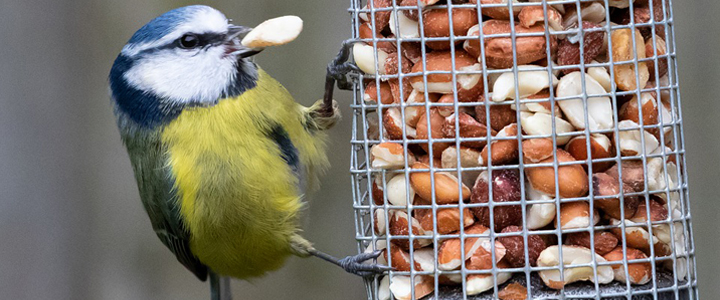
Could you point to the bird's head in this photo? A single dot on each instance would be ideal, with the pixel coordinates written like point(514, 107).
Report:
point(189, 56)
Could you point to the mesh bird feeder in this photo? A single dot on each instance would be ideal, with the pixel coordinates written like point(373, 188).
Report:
point(512, 149)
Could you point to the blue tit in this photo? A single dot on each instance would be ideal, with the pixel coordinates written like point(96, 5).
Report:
point(220, 150)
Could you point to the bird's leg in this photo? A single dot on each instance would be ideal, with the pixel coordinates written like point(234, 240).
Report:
point(337, 71)
point(219, 287)
point(325, 113)
point(351, 264)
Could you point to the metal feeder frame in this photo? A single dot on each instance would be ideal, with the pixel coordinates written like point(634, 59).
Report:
point(663, 285)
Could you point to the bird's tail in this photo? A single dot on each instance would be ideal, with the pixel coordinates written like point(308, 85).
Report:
point(219, 287)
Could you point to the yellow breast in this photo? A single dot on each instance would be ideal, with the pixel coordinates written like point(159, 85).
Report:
point(238, 196)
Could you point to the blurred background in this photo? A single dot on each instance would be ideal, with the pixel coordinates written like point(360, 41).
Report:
point(71, 222)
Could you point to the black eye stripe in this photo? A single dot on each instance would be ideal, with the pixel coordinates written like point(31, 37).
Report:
point(209, 39)
point(205, 40)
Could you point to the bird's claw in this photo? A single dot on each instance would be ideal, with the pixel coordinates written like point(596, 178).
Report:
point(339, 67)
point(355, 264)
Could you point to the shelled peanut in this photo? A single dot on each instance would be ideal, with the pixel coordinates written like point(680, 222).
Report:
point(441, 124)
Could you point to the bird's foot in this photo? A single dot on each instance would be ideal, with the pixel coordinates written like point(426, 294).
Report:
point(339, 68)
point(359, 265)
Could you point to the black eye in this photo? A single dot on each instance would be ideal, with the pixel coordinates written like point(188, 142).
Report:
point(189, 41)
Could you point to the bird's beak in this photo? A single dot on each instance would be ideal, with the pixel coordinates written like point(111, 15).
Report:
point(233, 42)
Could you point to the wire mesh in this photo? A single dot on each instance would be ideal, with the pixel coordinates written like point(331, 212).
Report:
point(409, 108)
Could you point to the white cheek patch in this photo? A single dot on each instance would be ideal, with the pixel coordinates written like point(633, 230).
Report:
point(184, 76)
